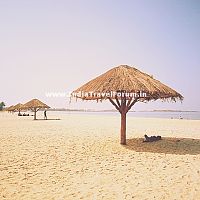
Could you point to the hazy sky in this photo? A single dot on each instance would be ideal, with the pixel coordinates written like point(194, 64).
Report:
point(57, 45)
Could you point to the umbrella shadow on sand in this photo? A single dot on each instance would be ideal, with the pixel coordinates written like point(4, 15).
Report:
point(168, 145)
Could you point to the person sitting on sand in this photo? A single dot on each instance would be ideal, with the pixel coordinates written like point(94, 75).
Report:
point(151, 138)
point(45, 114)
point(25, 114)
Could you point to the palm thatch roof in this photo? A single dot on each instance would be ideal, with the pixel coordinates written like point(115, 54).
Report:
point(10, 108)
point(35, 104)
point(127, 79)
point(18, 107)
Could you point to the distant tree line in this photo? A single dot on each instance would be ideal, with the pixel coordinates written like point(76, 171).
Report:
point(2, 105)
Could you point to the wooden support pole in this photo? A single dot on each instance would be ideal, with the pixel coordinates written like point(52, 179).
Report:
point(117, 100)
point(35, 113)
point(123, 128)
point(114, 104)
point(123, 108)
point(123, 121)
point(130, 104)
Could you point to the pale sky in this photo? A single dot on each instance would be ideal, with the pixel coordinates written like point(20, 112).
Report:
point(58, 45)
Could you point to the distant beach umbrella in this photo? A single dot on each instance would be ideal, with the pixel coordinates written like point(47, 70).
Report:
point(35, 105)
point(123, 86)
point(10, 109)
point(18, 107)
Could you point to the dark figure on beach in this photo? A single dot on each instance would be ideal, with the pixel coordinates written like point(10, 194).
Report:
point(45, 114)
point(25, 114)
point(151, 138)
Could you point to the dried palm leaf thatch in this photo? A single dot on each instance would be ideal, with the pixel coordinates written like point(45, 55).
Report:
point(128, 80)
point(35, 103)
point(18, 107)
point(10, 108)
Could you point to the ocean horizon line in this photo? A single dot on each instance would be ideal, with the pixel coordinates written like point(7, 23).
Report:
point(112, 110)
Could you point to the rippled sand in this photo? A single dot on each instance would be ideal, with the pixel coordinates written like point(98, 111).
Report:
point(79, 157)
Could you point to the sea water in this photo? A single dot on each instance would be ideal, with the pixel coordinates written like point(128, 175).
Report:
point(193, 115)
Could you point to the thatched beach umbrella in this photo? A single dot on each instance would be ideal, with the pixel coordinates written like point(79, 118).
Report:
point(10, 108)
point(18, 107)
point(35, 105)
point(123, 86)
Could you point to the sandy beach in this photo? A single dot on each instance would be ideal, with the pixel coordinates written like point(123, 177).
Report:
point(79, 157)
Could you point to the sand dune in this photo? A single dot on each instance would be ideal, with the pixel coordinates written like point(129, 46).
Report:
point(79, 157)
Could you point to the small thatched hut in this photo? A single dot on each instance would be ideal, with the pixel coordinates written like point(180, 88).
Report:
point(35, 105)
point(123, 86)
